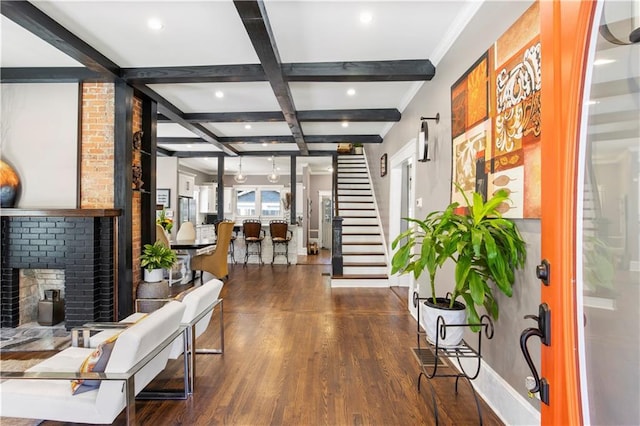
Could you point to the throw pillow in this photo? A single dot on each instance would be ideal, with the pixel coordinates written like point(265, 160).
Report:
point(96, 363)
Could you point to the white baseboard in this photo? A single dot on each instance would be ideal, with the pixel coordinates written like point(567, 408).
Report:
point(509, 405)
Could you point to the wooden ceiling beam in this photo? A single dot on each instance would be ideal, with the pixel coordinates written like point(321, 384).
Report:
point(308, 139)
point(355, 71)
point(51, 75)
point(354, 115)
point(401, 70)
point(254, 18)
point(194, 74)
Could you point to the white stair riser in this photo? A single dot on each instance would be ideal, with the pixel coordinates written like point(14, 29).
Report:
point(342, 176)
point(364, 270)
point(347, 229)
point(363, 258)
point(354, 192)
point(347, 213)
point(354, 206)
point(361, 239)
point(362, 248)
point(360, 181)
point(352, 198)
point(359, 221)
point(350, 185)
point(351, 169)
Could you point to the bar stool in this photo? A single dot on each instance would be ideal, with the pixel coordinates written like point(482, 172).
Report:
point(232, 247)
point(280, 236)
point(253, 236)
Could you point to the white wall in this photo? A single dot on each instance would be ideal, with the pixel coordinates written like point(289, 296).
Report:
point(40, 140)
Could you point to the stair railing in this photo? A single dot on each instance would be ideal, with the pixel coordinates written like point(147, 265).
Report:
point(336, 234)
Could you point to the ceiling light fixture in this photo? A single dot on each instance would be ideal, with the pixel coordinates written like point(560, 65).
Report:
point(366, 17)
point(240, 177)
point(345, 124)
point(219, 94)
point(155, 24)
point(273, 177)
point(351, 92)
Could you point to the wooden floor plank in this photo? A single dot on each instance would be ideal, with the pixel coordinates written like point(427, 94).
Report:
point(298, 352)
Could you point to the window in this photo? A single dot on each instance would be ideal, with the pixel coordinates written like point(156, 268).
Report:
point(258, 201)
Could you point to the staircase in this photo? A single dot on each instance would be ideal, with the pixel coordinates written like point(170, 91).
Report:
point(363, 250)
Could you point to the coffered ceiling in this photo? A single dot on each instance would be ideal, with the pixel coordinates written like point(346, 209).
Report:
point(243, 77)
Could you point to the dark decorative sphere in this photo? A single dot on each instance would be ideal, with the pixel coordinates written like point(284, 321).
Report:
point(9, 185)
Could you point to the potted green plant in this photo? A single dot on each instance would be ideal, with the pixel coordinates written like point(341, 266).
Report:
point(156, 257)
point(486, 248)
point(357, 148)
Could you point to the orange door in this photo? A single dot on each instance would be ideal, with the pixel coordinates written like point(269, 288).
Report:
point(591, 210)
point(565, 27)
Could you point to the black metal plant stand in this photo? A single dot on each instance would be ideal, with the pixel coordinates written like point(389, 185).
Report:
point(432, 356)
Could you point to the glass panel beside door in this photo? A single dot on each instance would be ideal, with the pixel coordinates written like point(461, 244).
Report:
point(609, 224)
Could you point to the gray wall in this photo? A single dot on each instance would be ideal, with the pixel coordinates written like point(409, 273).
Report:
point(434, 183)
point(40, 140)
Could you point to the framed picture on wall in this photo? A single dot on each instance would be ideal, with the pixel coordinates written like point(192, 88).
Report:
point(383, 165)
point(163, 197)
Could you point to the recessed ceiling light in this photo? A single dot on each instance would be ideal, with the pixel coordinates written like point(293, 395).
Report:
point(345, 124)
point(189, 146)
point(264, 144)
point(366, 17)
point(155, 24)
point(219, 94)
point(247, 126)
point(351, 91)
point(603, 61)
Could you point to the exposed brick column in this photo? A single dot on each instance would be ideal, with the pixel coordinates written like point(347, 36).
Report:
point(97, 152)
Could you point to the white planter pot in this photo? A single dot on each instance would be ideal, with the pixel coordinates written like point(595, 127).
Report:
point(358, 150)
point(153, 276)
point(429, 319)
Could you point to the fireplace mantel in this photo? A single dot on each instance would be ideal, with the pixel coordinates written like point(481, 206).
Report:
point(13, 212)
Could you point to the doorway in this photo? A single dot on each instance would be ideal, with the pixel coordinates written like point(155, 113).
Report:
point(325, 219)
point(401, 204)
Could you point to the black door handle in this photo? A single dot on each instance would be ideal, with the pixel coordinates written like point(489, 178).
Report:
point(543, 331)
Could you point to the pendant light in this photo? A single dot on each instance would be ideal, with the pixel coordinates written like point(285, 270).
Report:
point(240, 177)
point(273, 177)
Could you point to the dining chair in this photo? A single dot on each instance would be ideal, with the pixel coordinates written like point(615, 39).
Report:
point(215, 261)
point(280, 236)
point(232, 248)
point(253, 236)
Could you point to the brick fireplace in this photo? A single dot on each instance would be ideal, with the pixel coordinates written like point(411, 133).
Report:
point(78, 241)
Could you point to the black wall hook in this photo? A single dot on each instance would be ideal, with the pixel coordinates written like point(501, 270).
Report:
point(437, 118)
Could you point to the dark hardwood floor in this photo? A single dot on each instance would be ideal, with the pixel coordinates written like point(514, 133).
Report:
point(300, 353)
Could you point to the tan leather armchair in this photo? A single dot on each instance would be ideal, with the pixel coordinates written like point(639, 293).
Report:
point(215, 262)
